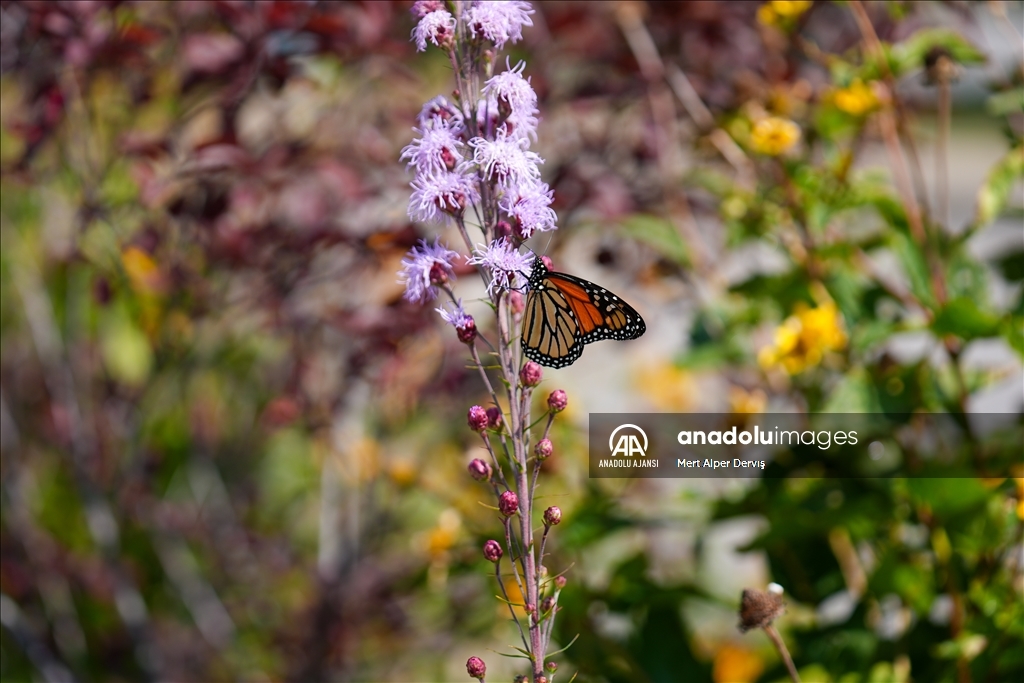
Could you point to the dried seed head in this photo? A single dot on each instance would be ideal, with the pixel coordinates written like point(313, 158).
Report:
point(759, 608)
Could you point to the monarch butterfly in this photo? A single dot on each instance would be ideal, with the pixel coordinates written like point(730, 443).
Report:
point(564, 312)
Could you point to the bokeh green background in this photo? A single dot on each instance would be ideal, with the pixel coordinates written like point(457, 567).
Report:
point(232, 452)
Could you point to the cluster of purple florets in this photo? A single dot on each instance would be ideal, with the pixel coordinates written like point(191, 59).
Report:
point(474, 147)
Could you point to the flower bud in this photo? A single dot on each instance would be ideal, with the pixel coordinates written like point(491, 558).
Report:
point(529, 608)
point(479, 470)
point(516, 302)
point(560, 582)
point(544, 449)
point(552, 516)
point(493, 551)
point(476, 668)
point(552, 667)
point(520, 679)
point(494, 417)
point(422, 8)
point(438, 274)
point(547, 604)
point(466, 330)
point(530, 374)
point(508, 503)
point(502, 229)
point(557, 401)
point(542, 679)
point(477, 419)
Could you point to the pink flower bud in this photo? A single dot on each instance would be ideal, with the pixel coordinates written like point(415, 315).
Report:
point(466, 331)
point(542, 679)
point(560, 582)
point(529, 608)
point(544, 449)
point(438, 273)
point(553, 516)
point(476, 668)
point(477, 419)
point(552, 667)
point(479, 470)
point(547, 604)
point(557, 401)
point(508, 503)
point(502, 229)
point(494, 417)
point(493, 551)
point(531, 374)
point(516, 302)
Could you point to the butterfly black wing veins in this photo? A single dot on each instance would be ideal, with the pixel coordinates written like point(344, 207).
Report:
point(552, 333)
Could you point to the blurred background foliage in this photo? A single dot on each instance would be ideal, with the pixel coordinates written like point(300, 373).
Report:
point(231, 451)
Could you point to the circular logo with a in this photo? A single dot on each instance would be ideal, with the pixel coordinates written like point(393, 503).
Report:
point(628, 442)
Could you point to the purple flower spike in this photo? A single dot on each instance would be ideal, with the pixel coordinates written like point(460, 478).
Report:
point(423, 268)
point(505, 263)
point(437, 27)
point(436, 196)
point(499, 22)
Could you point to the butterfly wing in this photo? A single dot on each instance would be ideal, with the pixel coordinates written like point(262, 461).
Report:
point(564, 312)
point(550, 332)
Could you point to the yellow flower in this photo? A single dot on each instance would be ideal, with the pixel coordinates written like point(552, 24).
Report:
point(142, 271)
point(667, 387)
point(856, 99)
point(804, 338)
point(774, 136)
point(770, 13)
point(790, 8)
point(743, 402)
point(735, 664)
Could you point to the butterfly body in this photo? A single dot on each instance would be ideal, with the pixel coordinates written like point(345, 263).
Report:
point(563, 313)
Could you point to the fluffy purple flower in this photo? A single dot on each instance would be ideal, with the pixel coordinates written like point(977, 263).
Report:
point(423, 268)
point(465, 326)
point(435, 196)
point(506, 159)
point(441, 109)
point(499, 21)
point(422, 8)
point(436, 27)
point(438, 150)
point(511, 87)
point(505, 263)
point(530, 206)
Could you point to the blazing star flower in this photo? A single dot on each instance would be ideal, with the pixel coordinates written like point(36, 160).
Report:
point(440, 109)
point(436, 27)
point(530, 206)
point(510, 86)
point(499, 21)
point(422, 8)
point(438, 150)
point(457, 317)
point(436, 196)
point(505, 263)
point(516, 101)
point(423, 268)
point(506, 160)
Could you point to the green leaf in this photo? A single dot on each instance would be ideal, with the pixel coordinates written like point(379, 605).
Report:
point(1013, 332)
point(963, 318)
point(949, 496)
point(854, 394)
point(909, 54)
point(912, 260)
point(657, 233)
point(995, 191)
point(1006, 102)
